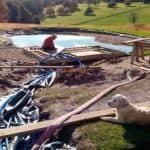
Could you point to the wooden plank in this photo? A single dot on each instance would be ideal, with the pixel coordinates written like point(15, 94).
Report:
point(37, 67)
point(135, 40)
point(83, 55)
point(46, 67)
point(34, 127)
point(140, 67)
point(83, 49)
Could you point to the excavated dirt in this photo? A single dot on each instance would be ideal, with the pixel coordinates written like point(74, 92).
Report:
point(73, 87)
point(109, 72)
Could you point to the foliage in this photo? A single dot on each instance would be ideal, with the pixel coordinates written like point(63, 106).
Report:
point(71, 5)
point(18, 13)
point(25, 11)
point(146, 1)
point(3, 12)
point(62, 11)
point(133, 18)
point(31, 6)
point(50, 12)
point(93, 1)
point(89, 12)
point(127, 2)
point(112, 3)
point(36, 20)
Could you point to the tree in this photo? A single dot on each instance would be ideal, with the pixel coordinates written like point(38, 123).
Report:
point(25, 15)
point(93, 1)
point(127, 2)
point(50, 12)
point(74, 4)
point(112, 3)
point(3, 12)
point(25, 11)
point(13, 12)
point(133, 18)
point(89, 12)
point(18, 12)
point(146, 1)
point(31, 6)
point(36, 20)
point(62, 11)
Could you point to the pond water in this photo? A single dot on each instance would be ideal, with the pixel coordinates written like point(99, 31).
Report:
point(65, 41)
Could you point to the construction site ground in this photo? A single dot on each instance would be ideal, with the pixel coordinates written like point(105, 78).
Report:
point(75, 86)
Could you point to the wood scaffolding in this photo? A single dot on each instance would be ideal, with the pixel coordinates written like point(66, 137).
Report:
point(138, 48)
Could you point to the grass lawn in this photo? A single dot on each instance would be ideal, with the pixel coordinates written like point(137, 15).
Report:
point(109, 19)
point(147, 52)
point(106, 136)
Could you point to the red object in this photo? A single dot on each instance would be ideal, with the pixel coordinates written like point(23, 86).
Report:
point(49, 42)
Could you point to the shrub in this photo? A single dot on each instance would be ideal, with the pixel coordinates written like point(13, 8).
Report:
point(89, 12)
point(112, 3)
point(133, 18)
point(36, 20)
point(50, 12)
point(62, 11)
point(146, 1)
point(127, 2)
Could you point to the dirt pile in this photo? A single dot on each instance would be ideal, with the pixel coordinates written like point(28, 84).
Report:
point(88, 75)
point(81, 76)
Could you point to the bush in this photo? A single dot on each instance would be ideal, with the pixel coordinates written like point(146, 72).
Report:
point(112, 3)
point(127, 2)
point(50, 12)
point(146, 1)
point(133, 18)
point(36, 20)
point(89, 12)
point(61, 11)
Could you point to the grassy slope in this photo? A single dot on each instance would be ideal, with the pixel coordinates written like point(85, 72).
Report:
point(110, 19)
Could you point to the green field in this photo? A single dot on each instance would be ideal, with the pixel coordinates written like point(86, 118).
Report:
point(109, 19)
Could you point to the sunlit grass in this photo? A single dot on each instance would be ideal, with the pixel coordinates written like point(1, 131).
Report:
point(106, 136)
point(108, 19)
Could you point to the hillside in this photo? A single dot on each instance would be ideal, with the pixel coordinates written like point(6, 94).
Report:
point(110, 19)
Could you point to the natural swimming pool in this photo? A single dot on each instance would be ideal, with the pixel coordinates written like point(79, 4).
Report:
point(65, 41)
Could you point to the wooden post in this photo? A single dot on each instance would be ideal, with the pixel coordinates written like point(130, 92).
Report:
point(142, 50)
point(133, 53)
point(138, 49)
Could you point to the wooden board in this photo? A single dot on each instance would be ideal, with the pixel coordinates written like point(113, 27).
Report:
point(42, 67)
point(84, 117)
point(83, 53)
point(46, 67)
point(135, 40)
